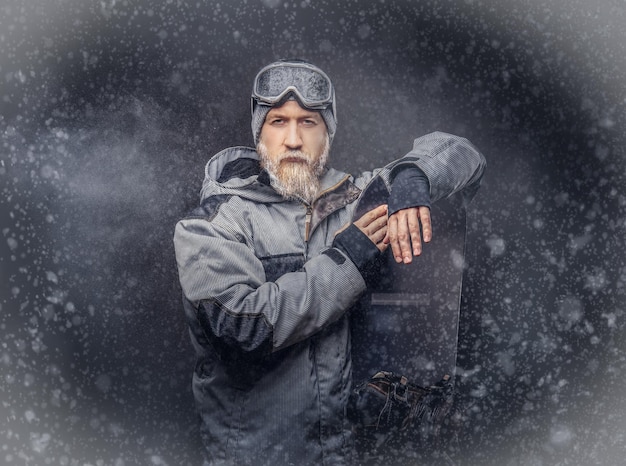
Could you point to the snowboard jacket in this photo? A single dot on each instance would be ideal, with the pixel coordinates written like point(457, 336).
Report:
point(266, 297)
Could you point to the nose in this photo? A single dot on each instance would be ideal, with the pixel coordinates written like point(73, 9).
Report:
point(293, 139)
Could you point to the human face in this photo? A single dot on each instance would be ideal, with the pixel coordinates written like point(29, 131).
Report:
point(292, 128)
point(293, 148)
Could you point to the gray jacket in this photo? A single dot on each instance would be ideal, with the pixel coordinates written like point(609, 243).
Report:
point(267, 303)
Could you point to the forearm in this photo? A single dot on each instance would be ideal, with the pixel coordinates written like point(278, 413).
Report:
point(451, 163)
point(294, 307)
point(241, 311)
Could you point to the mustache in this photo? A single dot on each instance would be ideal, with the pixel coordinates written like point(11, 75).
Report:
point(294, 156)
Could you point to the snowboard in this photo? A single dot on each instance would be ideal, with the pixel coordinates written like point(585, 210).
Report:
point(404, 338)
point(408, 322)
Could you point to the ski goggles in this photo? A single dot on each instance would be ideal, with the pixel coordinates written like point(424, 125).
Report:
point(310, 85)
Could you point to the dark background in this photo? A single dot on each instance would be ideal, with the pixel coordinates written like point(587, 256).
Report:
point(110, 109)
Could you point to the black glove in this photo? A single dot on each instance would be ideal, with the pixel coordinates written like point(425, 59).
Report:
point(409, 188)
point(361, 250)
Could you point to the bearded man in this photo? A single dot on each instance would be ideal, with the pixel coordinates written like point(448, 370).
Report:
point(271, 263)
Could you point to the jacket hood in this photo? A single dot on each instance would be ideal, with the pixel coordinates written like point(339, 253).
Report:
point(237, 171)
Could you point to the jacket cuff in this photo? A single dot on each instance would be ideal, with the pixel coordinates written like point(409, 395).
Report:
point(361, 251)
point(410, 188)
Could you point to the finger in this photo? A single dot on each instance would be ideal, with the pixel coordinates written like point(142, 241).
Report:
point(379, 235)
point(401, 240)
point(382, 247)
point(379, 240)
point(379, 223)
point(392, 238)
point(376, 229)
point(427, 230)
point(404, 239)
point(414, 231)
point(373, 227)
point(371, 216)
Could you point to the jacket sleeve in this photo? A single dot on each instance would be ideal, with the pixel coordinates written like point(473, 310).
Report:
point(241, 311)
point(451, 164)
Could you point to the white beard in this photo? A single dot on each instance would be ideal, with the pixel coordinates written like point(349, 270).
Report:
point(295, 180)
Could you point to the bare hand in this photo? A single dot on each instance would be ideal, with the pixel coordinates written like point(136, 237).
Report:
point(404, 233)
point(374, 225)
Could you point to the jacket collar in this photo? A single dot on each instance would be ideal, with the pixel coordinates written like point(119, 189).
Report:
point(334, 197)
point(237, 171)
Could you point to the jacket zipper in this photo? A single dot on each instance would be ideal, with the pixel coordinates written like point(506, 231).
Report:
point(307, 230)
point(307, 223)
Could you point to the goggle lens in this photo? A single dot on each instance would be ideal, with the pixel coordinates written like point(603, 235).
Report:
point(312, 87)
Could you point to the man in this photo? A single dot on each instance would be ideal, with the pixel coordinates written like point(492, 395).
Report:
point(271, 263)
